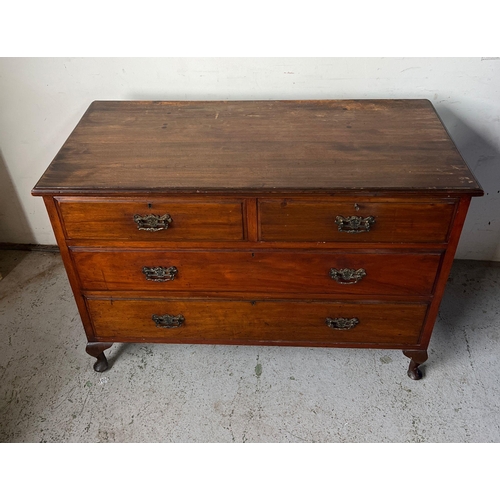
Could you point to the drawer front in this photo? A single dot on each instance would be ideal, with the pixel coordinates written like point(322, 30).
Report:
point(301, 272)
point(213, 321)
point(153, 222)
point(376, 222)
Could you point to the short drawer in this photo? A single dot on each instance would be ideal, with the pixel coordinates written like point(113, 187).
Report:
point(152, 221)
point(256, 322)
point(377, 222)
point(265, 272)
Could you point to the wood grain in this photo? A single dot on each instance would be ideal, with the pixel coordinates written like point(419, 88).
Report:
point(74, 281)
point(264, 146)
point(256, 321)
point(258, 271)
point(254, 189)
point(193, 220)
point(290, 220)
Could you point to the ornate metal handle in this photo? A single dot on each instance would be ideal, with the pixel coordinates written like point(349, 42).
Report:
point(168, 321)
point(354, 224)
point(347, 276)
point(160, 273)
point(342, 323)
point(152, 222)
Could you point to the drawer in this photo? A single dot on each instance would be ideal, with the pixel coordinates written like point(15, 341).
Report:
point(215, 321)
point(265, 272)
point(376, 222)
point(169, 220)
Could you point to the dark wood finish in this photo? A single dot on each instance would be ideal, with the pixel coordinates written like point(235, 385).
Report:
point(266, 146)
point(114, 220)
point(245, 295)
point(253, 190)
point(417, 358)
point(290, 220)
point(96, 349)
point(278, 321)
point(251, 219)
point(258, 271)
point(267, 245)
point(57, 227)
point(445, 271)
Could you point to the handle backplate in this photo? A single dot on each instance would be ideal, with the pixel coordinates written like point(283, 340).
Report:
point(168, 321)
point(347, 276)
point(160, 273)
point(342, 323)
point(152, 222)
point(354, 224)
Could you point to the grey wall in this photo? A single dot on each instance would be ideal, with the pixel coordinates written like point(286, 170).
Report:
point(42, 99)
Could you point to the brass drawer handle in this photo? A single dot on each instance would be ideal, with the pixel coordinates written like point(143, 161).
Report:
point(160, 273)
point(347, 276)
point(354, 224)
point(152, 222)
point(342, 323)
point(168, 321)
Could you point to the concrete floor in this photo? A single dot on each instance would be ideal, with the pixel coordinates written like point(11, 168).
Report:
point(174, 393)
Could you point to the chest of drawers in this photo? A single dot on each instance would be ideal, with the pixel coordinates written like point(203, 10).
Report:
point(298, 223)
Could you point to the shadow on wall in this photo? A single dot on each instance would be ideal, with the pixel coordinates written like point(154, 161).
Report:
point(14, 226)
point(481, 233)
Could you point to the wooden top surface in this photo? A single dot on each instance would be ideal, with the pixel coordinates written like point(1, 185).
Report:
point(258, 147)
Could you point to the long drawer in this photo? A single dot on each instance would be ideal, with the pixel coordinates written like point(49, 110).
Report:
point(156, 221)
point(361, 222)
point(215, 321)
point(300, 272)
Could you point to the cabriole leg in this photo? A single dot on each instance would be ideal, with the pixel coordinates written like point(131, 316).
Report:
point(96, 349)
point(417, 358)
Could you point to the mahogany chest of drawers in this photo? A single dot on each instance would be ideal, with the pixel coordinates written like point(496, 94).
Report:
point(292, 223)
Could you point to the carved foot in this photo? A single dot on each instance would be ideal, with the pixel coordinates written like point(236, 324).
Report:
point(96, 349)
point(417, 358)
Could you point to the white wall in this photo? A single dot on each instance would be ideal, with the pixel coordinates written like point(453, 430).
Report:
point(42, 99)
